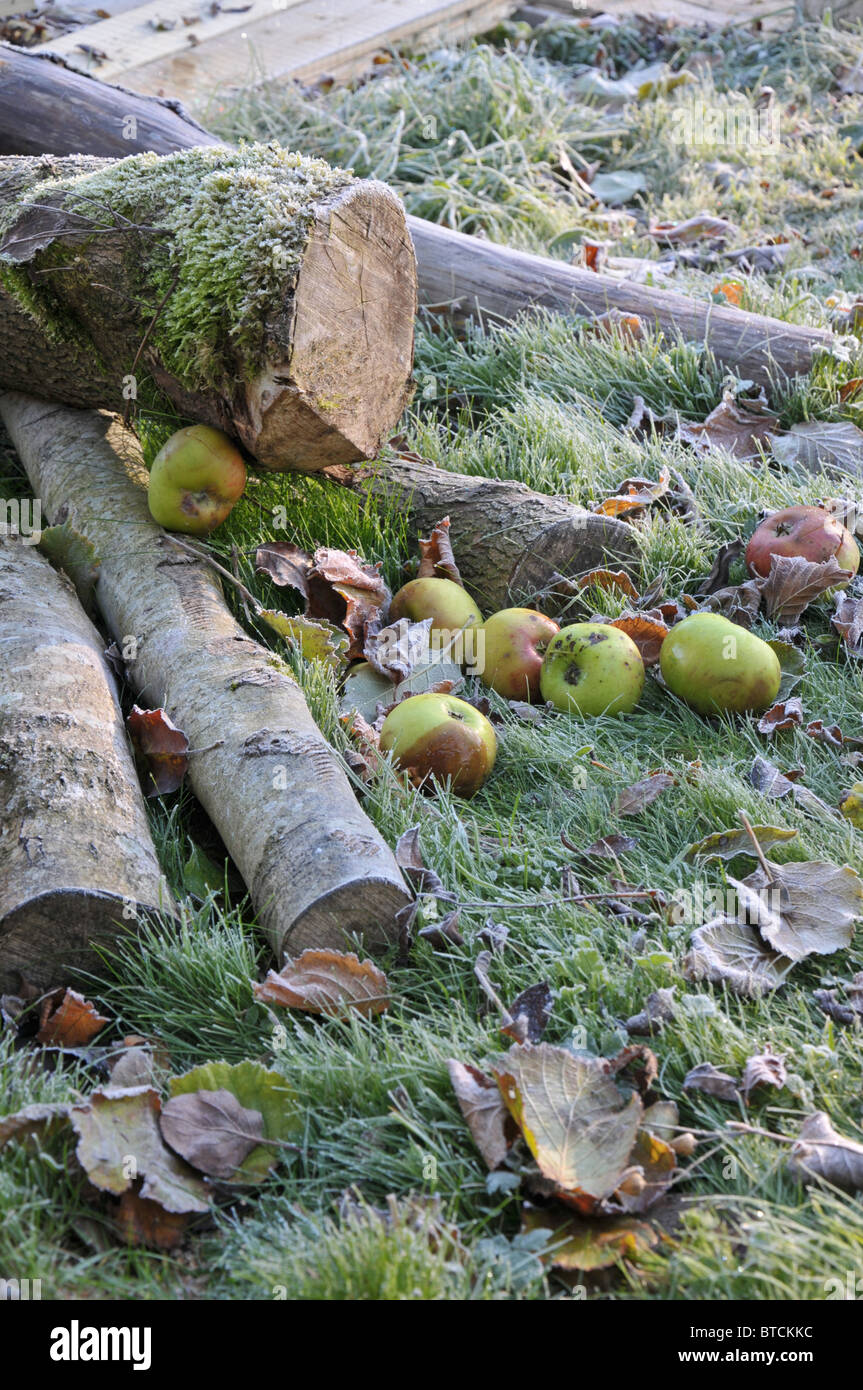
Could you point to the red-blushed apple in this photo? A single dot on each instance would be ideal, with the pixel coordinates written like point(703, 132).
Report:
point(441, 737)
point(714, 665)
point(810, 532)
point(449, 606)
point(195, 480)
point(592, 668)
point(515, 641)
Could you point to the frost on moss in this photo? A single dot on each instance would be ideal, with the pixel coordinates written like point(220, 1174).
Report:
point(235, 222)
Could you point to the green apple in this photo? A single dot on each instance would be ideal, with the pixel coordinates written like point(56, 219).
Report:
point(195, 480)
point(715, 665)
point(449, 606)
point(440, 737)
point(592, 668)
point(515, 640)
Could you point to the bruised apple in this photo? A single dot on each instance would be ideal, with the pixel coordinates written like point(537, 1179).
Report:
point(195, 480)
point(515, 641)
point(592, 668)
point(714, 665)
point(810, 532)
point(449, 606)
point(440, 737)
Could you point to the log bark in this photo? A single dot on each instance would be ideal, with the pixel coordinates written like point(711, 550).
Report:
point(453, 268)
point(77, 864)
point(316, 868)
point(513, 546)
point(273, 301)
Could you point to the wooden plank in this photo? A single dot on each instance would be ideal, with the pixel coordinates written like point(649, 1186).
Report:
point(154, 31)
point(296, 40)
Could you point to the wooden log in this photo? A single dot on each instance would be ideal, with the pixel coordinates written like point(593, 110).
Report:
point(513, 546)
point(316, 868)
point(263, 293)
point(477, 275)
point(77, 864)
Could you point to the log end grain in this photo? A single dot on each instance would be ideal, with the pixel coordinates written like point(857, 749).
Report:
point(54, 939)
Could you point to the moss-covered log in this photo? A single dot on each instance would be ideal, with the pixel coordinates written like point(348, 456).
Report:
point(513, 546)
point(77, 864)
point(262, 292)
point(317, 869)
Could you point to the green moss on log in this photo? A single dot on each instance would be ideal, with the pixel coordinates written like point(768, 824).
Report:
point(216, 232)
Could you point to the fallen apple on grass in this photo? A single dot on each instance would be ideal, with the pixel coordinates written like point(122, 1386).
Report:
point(449, 606)
point(515, 641)
point(810, 532)
point(592, 668)
point(441, 737)
point(195, 480)
point(715, 665)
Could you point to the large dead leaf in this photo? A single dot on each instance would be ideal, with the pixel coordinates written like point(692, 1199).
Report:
point(824, 900)
point(347, 592)
point(822, 1155)
point(793, 583)
point(68, 1021)
point(732, 953)
point(490, 1123)
point(713, 1082)
point(772, 783)
point(327, 982)
point(256, 1089)
point(727, 844)
point(438, 561)
point(634, 799)
point(732, 426)
point(162, 748)
point(834, 446)
point(32, 1119)
point(584, 1244)
point(119, 1142)
point(212, 1131)
point(573, 1118)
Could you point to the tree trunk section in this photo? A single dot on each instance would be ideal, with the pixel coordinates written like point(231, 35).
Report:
point(472, 274)
point(317, 870)
point(77, 864)
point(512, 546)
point(268, 296)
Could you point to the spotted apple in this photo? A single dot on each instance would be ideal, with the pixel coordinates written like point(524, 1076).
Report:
point(195, 480)
point(592, 668)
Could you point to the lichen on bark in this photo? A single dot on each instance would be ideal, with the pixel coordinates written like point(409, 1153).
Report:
point(222, 231)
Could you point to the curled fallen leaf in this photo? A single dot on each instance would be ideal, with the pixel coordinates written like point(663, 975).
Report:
point(765, 1069)
point(634, 799)
point(820, 1154)
point(490, 1123)
point(733, 953)
point(647, 630)
point(786, 714)
point(793, 583)
point(713, 1082)
point(162, 748)
point(324, 981)
point(67, 1019)
point(437, 559)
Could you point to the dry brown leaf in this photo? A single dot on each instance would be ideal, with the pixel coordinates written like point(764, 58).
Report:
point(211, 1130)
point(647, 630)
point(287, 565)
point(346, 592)
point(787, 714)
point(490, 1123)
point(162, 748)
point(793, 583)
point(141, 1221)
point(634, 799)
point(67, 1019)
point(608, 579)
point(848, 622)
point(530, 1013)
point(438, 560)
point(703, 224)
point(730, 426)
point(326, 982)
point(713, 1082)
point(822, 1155)
point(658, 1010)
point(766, 1069)
point(398, 649)
point(116, 1126)
point(849, 1013)
point(610, 846)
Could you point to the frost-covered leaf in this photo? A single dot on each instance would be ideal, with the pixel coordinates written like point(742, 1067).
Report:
point(728, 952)
point(69, 1020)
point(823, 902)
point(322, 981)
point(119, 1143)
point(727, 844)
point(793, 583)
point(658, 1010)
point(848, 622)
point(573, 1118)
point(820, 1154)
point(764, 1069)
point(786, 714)
point(212, 1131)
point(318, 641)
point(632, 800)
point(395, 651)
point(713, 1082)
point(731, 426)
point(32, 1119)
point(287, 565)
point(834, 446)
point(490, 1123)
point(256, 1089)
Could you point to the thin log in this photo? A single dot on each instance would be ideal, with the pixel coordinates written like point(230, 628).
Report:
point(77, 864)
point(468, 272)
point(265, 294)
point(316, 868)
point(513, 546)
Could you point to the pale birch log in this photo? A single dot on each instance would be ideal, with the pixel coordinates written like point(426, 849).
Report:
point(77, 863)
point(317, 869)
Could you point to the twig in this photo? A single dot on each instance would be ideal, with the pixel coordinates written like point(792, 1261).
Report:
point(247, 595)
point(574, 898)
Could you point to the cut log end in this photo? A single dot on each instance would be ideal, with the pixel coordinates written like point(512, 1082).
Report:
point(54, 939)
point(354, 912)
point(570, 547)
point(348, 377)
